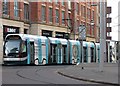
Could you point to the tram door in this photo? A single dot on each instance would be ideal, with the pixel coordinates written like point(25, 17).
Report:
point(92, 54)
point(85, 54)
point(32, 52)
point(64, 47)
point(53, 53)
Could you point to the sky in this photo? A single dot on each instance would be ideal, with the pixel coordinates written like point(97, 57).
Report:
point(114, 16)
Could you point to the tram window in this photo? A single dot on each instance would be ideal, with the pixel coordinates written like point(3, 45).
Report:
point(53, 52)
point(12, 46)
point(43, 50)
point(23, 47)
point(64, 53)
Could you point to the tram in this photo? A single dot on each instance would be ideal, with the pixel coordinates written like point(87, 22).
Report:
point(40, 50)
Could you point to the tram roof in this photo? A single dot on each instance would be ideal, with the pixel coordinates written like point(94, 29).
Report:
point(74, 41)
point(91, 44)
point(56, 40)
point(31, 37)
point(85, 43)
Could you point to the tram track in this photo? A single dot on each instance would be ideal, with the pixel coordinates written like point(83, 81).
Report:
point(28, 78)
point(37, 75)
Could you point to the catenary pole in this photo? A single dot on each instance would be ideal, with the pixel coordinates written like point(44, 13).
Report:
point(102, 34)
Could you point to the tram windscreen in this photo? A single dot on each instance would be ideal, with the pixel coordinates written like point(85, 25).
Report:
point(12, 46)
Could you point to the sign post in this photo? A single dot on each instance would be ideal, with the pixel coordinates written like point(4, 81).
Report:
point(82, 36)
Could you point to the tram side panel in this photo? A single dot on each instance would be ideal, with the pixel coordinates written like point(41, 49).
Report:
point(75, 52)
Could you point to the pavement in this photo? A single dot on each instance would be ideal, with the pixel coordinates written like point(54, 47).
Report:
point(90, 72)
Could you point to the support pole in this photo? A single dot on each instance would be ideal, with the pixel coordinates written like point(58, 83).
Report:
point(102, 34)
point(108, 51)
point(115, 52)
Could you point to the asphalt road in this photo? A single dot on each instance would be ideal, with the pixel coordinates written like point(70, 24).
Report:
point(36, 75)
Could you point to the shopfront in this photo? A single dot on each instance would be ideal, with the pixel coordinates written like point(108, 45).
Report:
point(9, 30)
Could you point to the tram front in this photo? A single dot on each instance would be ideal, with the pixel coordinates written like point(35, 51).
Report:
point(14, 50)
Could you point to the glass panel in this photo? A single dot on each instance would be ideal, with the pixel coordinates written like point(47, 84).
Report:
point(5, 6)
point(50, 15)
point(63, 17)
point(23, 47)
point(16, 8)
point(12, 46)
point(63, 2)
point(43, 50)
point(26, 11)
point(57, 16)
point(43, 13)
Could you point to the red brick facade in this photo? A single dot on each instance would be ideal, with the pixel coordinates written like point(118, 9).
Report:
point(77, 18)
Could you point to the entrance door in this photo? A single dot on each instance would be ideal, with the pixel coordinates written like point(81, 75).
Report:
point(53, 54)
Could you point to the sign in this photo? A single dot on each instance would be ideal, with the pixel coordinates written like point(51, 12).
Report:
point(47, 33)
point(82, 32)
point(10, 30)
point(66, 35)
point(59, 35)
point(62, 35)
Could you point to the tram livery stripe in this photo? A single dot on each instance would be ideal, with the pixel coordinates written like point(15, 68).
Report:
point(28, 51)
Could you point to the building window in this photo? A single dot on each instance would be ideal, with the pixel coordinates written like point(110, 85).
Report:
point(69, 21)
point(88, 29)
point(5, 6)
point(16, 8)
point(57, 16)
point(88, 13)
point(69, 4)
point(50, 15)
point(84, 11)
point(25, 31)
point(50, 1)
point(63, 17)
point(43, 13)
point(63, 3)
point(26, 11)
point(92, 15)
point(78, 23)
point(77, 8)
point(57, 1)
point(92, 31)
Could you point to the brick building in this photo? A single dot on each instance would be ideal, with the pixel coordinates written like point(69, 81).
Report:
point(53, 18)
